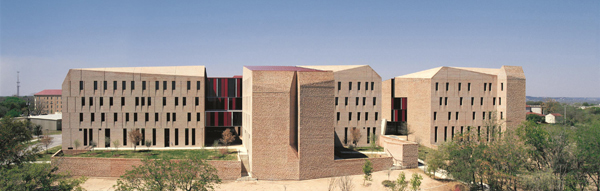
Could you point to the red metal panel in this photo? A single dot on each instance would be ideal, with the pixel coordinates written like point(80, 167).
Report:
point(403, 115)
point(216, 117)
point(239, 88)
point(404, 103)
point(225, 103)
point(224, 87)
point(215, 88)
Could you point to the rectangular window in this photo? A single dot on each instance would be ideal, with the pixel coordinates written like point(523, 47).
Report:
point(95, 85)
point(189, 116)
point(173, 85)
point(445, 133)
point(126, 116)
point(156, 85)
point(132, 85)
point(146, 117)
point(176, 136)
point(174, 117)
point(114, 85)
point(366, 116)
point(349, 116)
point(197, 85)
point(122, 101)
point(143, 101)
point(490, 87)
point(336, 101)
point(339, 85)
point(156, 117)
point(115, 117)
point(346, 135)
point(436, 86)
point(101, 101)
point(164, 101)
point(134, 117)
point(184, 101)
point(124, 137)
point(357, 100)
point(441, 100)
point(91, 101)
point(484, 86)
point(473, 115)
point(143, 85)
point(434, 116)
point(372, 85)
point(357, 85)
point(366, 86)
point(197, 101)
point(364, 100)
point(459, 86)
point(338, 116)
point(110, 101)
point(501, 86)
point(153, 137)
point(164, 85)
point(92, 117)
point(469, 87)
point(368, 135)
point(501, 116)
point(193, 136)
point(187, 134)
point(481, 100)
point(346, 101)
point(137, 101)
point(499, 101)
point(176, 101)
point(80, 117)
point(449, 116)
point(461, 100)
point(358, 116)
point(494, 103)
point(198, 116)
point(457, 115)
point(472, 100)
point(447, 86)
point(102, 117)
point(82, 101)
point(435, 135)
point(168, 117)
point(376, 116)
point(374, 101)
point(446, 101)
point(189, 87)
point(349, 85)
point(104, 85)
point(80, 85)
point(143, 136)
point(483, 116)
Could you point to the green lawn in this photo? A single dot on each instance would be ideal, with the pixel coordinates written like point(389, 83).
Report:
point(156, 154)
point(46, 155)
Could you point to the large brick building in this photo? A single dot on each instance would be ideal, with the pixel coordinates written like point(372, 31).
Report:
point(49, 101)
point(434, 105)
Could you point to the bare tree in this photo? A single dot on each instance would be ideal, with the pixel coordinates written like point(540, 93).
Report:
point(355, 135)
point(46, 141)
point(227, 138)
point(135, 137)
point(38, 108)
point(345, 183)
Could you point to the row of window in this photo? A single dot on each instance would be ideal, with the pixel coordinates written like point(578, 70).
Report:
point(358, 85)
point(461, 132)
point(358, 116)
point(135, 117)
point(444, 101)
point(474, 114)
point(139, 100)
point(486, 86)
point(364, 101)
point(124, 85)
point(88, 137)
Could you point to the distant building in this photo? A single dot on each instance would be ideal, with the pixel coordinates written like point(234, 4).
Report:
point(436, 104)
point(49, 101)
point(535, 109)
point(554, 118)
point(51, 122)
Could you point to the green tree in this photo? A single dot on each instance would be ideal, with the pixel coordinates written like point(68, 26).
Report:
point(13, 107)
point(401, 182)
point(14, 136)
point(535, 118)
point(29, 176)
point(415, 182)
point(368, 170)
point(165, 174)
point(588, 150)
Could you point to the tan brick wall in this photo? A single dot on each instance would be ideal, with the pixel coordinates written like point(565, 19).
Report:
point(404, 152)
point(50, 103)
point(115, 167)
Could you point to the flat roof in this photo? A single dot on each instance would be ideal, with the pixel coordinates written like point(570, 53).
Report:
point(55, 116)
point(159, 70)
point(281, 68)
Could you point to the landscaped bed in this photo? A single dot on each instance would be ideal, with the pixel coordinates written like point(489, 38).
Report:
point(208, 154)
point(345, 153)
point(45, 155)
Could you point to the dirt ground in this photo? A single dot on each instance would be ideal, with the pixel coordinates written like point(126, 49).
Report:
point(100, 183)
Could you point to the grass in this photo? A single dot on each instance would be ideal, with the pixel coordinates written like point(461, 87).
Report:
point(156, 154)
point(423, 151)
point(46, 155)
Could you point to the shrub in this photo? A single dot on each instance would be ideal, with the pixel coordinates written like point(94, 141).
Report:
point(368, 170)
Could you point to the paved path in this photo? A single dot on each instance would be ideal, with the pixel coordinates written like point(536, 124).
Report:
point(56, 141)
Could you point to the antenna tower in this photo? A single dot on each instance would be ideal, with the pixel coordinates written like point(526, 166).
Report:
point(18, 84)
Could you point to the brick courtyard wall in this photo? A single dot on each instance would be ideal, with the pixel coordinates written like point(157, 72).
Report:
point(115, 167)
point(354, 166)
point(405, 153)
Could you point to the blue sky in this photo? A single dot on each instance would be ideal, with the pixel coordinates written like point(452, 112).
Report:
point(556, 42)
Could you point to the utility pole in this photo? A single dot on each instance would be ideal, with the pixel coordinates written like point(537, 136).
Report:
point(18, 84)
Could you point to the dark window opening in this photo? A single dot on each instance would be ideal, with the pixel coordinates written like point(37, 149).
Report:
point(189, 87)
point(95, 85)
point(80, 85)
point(349, 85)
point(124, 85)
point(122, 101)
point(132, 85)
point(143, 85)
point(173, 85)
